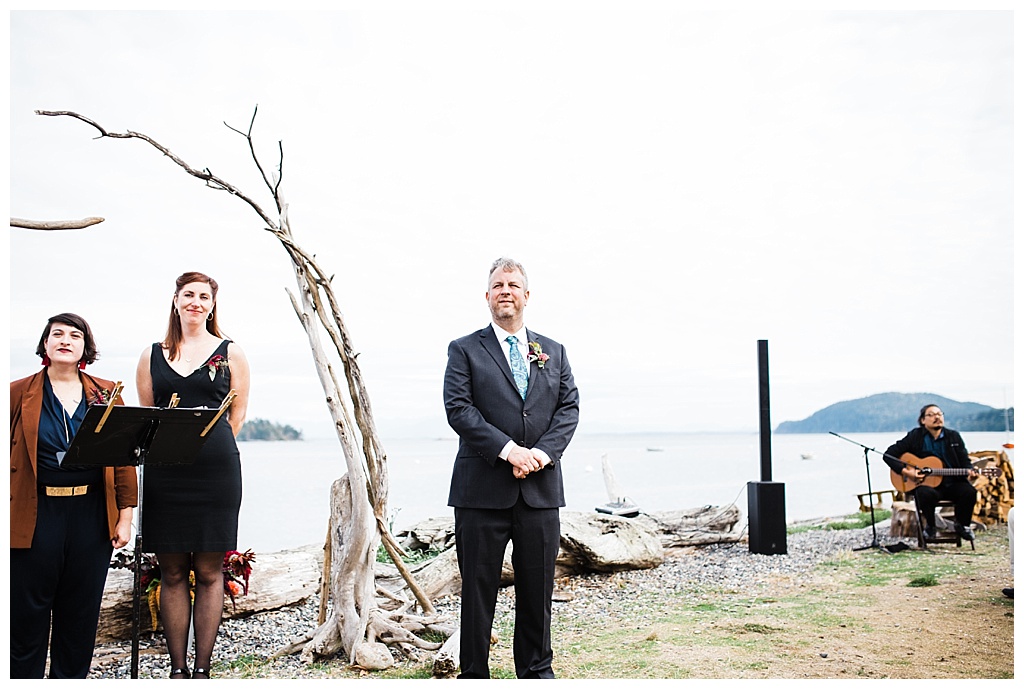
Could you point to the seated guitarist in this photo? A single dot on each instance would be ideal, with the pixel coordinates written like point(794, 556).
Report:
point(932, 438)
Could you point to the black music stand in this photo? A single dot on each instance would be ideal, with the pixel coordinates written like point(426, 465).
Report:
point(117, 436)
point(871, 501)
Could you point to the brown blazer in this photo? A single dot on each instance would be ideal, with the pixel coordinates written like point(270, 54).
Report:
point(121, 483)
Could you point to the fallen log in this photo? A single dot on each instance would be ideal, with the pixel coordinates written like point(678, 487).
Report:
point(605, 543)
point(698, 526)
point(278, 579)
point(446, 661)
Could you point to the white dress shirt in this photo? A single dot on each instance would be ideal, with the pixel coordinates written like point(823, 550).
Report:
point(524, 349)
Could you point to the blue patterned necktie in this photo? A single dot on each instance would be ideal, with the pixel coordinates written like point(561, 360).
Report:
point(519, 370)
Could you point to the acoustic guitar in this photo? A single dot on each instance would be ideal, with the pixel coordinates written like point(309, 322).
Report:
point(933, 471)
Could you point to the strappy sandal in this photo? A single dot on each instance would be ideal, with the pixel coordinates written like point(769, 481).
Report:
point(200, 673)
point(180, 671)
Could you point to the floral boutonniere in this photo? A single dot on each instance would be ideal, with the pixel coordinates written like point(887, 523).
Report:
point(537, 354)
point(100, 396)
point(216, 363)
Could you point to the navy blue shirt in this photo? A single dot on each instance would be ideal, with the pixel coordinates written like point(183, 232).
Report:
point(56, 431)
point(935, 446)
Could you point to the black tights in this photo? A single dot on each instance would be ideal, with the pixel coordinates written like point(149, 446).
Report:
point(177, 608)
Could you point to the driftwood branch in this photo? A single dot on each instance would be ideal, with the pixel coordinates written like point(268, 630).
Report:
point(55, 224)
point(212, 180)
point(357, 623)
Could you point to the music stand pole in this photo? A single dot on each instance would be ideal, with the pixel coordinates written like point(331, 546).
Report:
point(871, 501)
point(142, 450)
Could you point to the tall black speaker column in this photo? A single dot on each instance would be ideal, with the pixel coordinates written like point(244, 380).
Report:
point(766, 499)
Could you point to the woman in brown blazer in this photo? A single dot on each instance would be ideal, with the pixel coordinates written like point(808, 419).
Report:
point(65, 520)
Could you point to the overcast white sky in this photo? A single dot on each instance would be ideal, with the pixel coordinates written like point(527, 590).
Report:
point(678, 185)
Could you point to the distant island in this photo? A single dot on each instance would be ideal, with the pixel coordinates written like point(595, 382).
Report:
point(896, 411)
point(261, 429)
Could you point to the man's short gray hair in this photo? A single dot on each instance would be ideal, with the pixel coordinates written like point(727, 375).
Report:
point(508, 265)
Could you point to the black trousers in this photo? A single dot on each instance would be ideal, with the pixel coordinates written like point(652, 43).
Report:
point(58, 583)
point(962, 493)
point(481, 536)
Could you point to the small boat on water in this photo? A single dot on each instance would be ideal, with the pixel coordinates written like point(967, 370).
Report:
point(618, 504)
point(619, 509)
point(807, 456)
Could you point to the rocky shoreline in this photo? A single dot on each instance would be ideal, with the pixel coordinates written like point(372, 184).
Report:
point(694, 571)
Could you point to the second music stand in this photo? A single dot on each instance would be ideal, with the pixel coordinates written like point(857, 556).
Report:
point(117, 436)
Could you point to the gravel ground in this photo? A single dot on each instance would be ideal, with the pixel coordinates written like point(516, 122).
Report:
point(694, 570)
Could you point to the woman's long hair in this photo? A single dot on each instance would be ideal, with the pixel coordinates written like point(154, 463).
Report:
point(172, 340)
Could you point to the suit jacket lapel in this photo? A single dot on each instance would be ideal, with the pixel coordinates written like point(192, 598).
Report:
point(493, 347)
point(31, 408)
point(534, 369)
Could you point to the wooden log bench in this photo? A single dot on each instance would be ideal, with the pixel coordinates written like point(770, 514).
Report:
point(865, 505)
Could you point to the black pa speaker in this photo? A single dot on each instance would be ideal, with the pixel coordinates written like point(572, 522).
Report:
point(766, 517)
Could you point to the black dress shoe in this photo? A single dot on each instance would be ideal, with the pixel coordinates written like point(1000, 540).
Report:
point(964, 532)
point(929, 533)
point(1008, 592)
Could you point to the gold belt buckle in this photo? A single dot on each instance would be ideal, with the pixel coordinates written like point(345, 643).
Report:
point(66, 491)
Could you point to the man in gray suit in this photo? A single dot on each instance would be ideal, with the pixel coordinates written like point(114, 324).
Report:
point(510, 396)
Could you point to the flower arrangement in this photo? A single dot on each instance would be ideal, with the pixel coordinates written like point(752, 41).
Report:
point(537, 354)
point(216, 363)
point(100, 396)
point(237, 568)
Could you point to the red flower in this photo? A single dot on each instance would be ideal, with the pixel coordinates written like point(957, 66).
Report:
point(215, 363)
point(237, 566)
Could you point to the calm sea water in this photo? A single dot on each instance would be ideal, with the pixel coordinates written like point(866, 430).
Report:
point(286, 485)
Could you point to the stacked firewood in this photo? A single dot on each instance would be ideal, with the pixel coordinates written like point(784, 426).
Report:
point(995, 495)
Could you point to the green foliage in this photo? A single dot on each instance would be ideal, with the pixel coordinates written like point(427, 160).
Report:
point(261, 429)
point(412, 557)
point(926, 580)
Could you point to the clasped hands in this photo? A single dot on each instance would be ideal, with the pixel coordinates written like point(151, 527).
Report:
point(525, 460)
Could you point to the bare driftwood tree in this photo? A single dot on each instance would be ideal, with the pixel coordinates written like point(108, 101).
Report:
point(358, 623)
point(55, 224)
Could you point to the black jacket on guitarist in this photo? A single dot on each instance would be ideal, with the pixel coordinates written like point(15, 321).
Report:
point(914, 442)
point(931, 438)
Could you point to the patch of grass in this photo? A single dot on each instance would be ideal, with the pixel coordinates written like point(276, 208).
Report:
point(857, 520)
point(906, 565)
point(926, 580)
point(244, 666)
point(422, 671)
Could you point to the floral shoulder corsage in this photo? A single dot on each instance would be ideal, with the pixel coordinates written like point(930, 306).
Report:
point(216, 363)
point(100, 396)
point(537, 354)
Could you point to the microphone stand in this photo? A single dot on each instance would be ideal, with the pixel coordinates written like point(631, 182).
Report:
point(871, 502)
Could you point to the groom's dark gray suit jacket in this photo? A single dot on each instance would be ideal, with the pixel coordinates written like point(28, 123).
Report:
point(485, 409)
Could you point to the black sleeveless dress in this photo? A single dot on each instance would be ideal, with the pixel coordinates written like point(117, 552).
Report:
point(193, 507)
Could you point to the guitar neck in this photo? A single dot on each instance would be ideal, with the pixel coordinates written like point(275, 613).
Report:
point(949, 472)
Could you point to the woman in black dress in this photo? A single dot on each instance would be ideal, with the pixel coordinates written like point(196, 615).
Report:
point(191, 510)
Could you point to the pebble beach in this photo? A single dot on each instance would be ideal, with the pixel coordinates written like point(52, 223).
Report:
point(695, 571)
